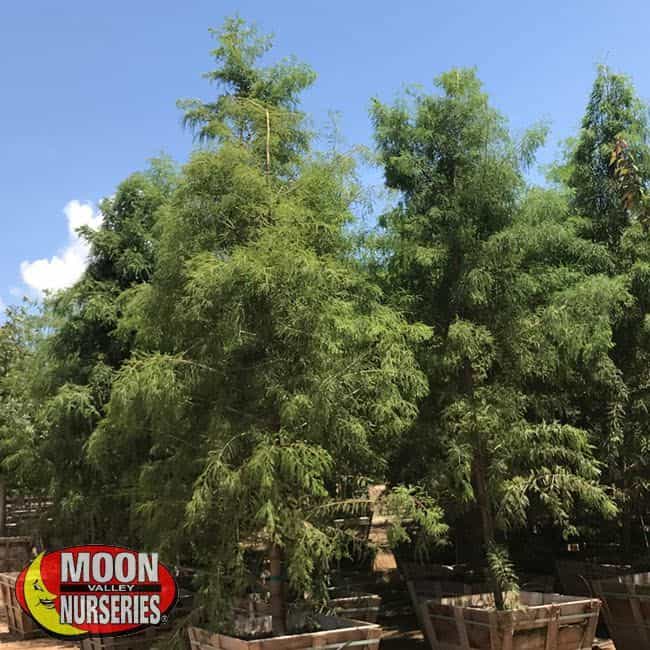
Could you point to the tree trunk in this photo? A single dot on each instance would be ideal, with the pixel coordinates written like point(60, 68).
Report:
point(487, 518)
point(627, 519)
point(268, 143)
point(278, 605)
point(3, 508)
point(479, 472)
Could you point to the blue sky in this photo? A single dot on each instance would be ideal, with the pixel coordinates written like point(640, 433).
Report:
point(89, 88)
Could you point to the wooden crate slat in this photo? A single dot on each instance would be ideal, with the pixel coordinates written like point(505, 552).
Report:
point(19, 624)
point(626, 609)
point(15, 552)
point(360, 607)
point(142, 640)
point(577, 576)
point(422, 590)
point(342, 633)
point(546, 622)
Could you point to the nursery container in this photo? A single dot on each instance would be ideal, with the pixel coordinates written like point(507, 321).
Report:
point(541, 622)
point(15, 552)
point(626, 609)
point(577, 576)
point(335, 634)
point(139, 641)
point(421, 591)
point(14, 555)
point(19, 624)
point(356, 606)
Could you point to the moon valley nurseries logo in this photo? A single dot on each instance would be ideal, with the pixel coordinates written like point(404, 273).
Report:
point(96, 591)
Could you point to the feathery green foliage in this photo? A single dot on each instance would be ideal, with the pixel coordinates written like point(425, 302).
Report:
point(74, 368)
point(610, 169)
point(268, 362)
point(258, 106)
point(507, 287)
point(233, 357)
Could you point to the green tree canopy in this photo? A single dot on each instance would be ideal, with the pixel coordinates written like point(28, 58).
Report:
point(257, 106)
point(508, 288)
point(607, 170)
point(268, 365)
point(88, 340)
point(613, 112)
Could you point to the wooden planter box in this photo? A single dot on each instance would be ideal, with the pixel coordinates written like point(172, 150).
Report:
point(19, 624)
point(626, 609)
point(14, 553)
point(139, 641)
point(577, 577)
point(545, 622)
point(420, 591)
point(356, 606)
point(336, 633)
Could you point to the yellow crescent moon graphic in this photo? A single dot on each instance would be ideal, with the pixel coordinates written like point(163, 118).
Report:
point(41, 602)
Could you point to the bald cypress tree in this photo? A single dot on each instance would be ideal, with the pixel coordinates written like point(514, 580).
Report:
point(607, 170)
point(268, 364)
point(508, 288)
point(20, 466)
point(613, 112)
point(84, 342)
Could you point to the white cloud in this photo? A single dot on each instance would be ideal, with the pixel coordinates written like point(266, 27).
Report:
point(2, 308)
point(65, 268)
